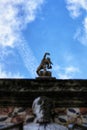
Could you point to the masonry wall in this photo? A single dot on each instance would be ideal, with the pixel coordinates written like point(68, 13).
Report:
point(22, 92)
point(69, 96)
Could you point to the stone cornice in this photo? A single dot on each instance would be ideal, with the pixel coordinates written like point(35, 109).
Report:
point(72, 92)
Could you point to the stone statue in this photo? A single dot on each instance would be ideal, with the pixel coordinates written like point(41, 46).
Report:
point(44, 66)
point(42, 108)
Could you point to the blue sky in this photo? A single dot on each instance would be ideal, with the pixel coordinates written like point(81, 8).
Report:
point(29, 28)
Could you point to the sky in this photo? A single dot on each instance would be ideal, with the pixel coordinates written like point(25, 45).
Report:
point(29, 28)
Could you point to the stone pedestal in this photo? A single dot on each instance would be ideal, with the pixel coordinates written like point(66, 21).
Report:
point(45, 73)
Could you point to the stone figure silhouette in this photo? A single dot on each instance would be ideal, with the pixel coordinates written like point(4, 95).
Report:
point(44, 65)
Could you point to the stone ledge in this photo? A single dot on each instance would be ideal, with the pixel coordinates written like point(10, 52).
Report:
point(43, 84)
point(23, 91)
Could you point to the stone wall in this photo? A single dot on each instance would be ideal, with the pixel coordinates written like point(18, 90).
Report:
point(69, 96)
point(22, 92)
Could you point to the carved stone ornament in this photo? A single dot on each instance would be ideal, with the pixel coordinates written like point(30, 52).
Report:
point(42, 107)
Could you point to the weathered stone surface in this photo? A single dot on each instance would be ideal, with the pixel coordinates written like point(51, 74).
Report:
point(24, 91)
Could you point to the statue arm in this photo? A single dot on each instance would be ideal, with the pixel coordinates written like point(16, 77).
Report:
point(46, 55)
point(51, 63)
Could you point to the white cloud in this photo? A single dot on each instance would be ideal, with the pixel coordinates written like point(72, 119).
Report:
point(14, 17)
point(64, 76)
point(66, 72)
point(77, 8)
point(28, 57)
point(71, 69)
point(4, 74)
point(81, 33)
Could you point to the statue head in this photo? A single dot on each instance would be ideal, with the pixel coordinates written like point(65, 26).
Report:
point(42, 107)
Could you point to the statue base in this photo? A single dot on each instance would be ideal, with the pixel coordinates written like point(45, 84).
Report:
point(45, 73)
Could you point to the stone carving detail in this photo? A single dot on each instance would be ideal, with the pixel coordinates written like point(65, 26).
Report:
point(42, 108)
point(45, 64)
